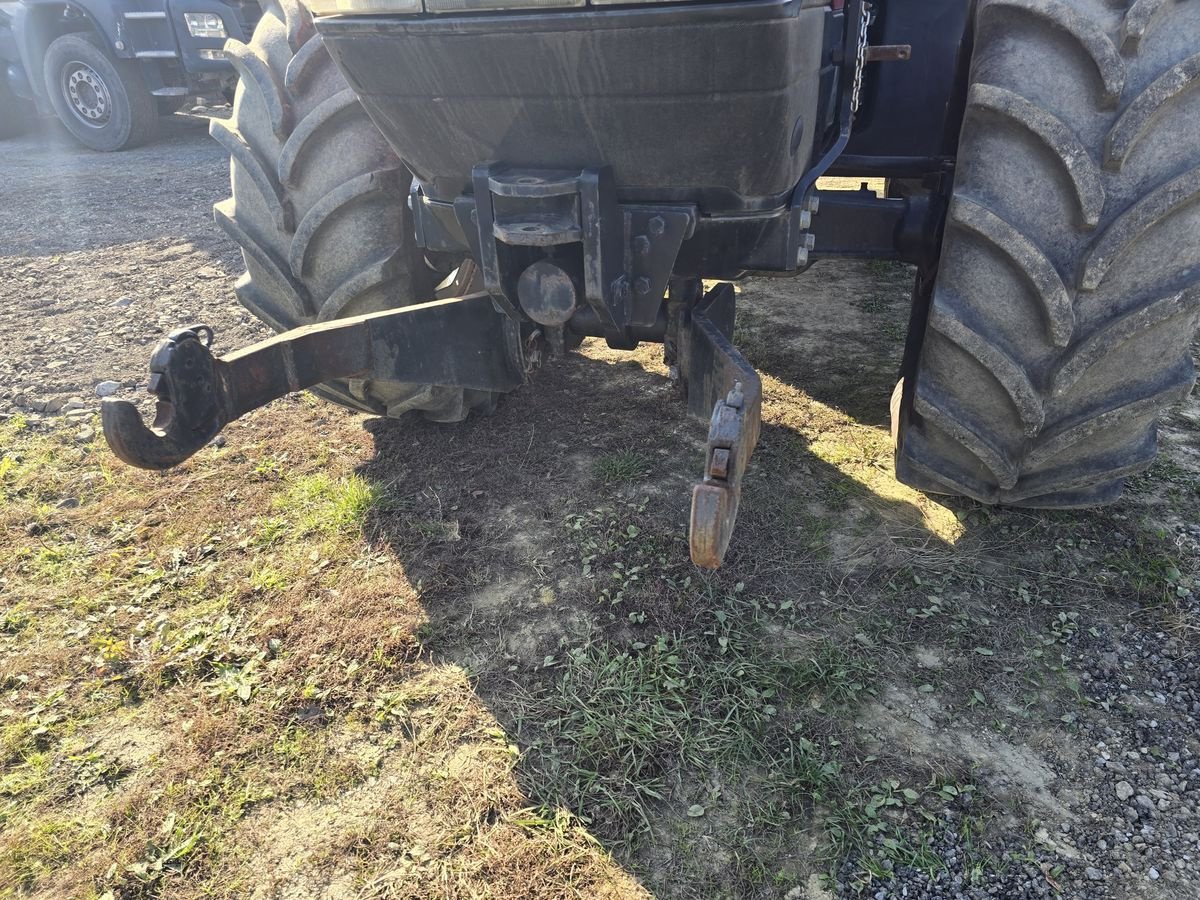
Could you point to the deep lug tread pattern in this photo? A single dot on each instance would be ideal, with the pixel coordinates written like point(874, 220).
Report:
point(371, 276)
point(991, 456)
point(308, 60)
point(272, 192)
point(1131, 127)
point(1141, 14)
point(333, 203)
point(1032, 263)
point(301, 140)
point(1007, 371)
point(318, 204)
point(1062, 15)
point(1065, 438)
point(1099, 346)
point(254, 68)
point(263, 255)
point(1134, 222)
point(1084, 174)
point(1110, 247)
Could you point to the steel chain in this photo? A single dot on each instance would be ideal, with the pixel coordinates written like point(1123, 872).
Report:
point(860, 58)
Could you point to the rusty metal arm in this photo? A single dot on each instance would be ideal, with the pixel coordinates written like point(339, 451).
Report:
point(719, 379)
point(461, 341)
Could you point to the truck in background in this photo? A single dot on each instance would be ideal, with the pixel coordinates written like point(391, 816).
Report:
point(108, 69)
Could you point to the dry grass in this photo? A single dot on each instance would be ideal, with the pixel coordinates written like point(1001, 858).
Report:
point(214, 685)
point(417, 661)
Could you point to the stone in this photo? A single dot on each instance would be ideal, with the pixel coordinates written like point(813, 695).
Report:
point(67, 503)
point(1093, 874)
point(107, 388)
point(1124, 790)
point(86, 436)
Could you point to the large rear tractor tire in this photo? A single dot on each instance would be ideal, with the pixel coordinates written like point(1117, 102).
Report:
point(319, 205)
point(1068, 290)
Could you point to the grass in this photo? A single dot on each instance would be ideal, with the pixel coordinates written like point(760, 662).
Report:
point(621, 467)
point(248, 653)
point(386, 663)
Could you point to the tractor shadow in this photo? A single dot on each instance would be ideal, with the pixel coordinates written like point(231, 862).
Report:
point(513, 524)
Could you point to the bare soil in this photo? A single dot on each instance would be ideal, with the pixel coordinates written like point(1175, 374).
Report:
point(346, 656)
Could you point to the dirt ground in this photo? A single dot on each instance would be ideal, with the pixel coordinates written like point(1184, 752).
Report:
point(349, 657)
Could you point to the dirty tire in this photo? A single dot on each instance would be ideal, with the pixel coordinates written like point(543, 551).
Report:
point(1068, 289)
point(319, 205)
point(132, 118)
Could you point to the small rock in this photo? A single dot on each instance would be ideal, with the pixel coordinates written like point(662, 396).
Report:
point(123, 302)
point(1153, 874)
point(1093, 874)
point(107, 388)
point(67, 503)
point(1124, 790)
point(86, 436)
point(73, 404)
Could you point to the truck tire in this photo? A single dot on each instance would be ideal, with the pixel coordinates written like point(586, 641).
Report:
point(319, 205)
point(102, 101)
point(1068, 288)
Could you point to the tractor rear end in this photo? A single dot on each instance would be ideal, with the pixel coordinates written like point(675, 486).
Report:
point(432, 196)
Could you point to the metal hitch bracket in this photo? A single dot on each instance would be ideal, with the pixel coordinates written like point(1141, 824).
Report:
point(461, 341)
point(723, 386)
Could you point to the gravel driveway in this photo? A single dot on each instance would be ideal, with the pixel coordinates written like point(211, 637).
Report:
point(103, 254)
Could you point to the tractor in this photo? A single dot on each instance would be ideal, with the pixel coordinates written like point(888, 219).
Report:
point(431, 195)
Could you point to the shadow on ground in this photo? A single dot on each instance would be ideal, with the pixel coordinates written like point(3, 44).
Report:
point(690, 719)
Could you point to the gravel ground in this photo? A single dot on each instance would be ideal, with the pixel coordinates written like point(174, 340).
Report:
point(104, 253)
point(1134, 825)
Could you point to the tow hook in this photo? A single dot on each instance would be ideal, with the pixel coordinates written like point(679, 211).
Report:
point(198, 394)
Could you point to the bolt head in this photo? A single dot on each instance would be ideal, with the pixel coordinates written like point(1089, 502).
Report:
point(642, 285)
point(641, 245)
point(801, 257)
point(657, 225)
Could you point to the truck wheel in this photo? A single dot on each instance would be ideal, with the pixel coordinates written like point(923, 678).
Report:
point(1068, 289)
point(319, 205)
point(102, 101)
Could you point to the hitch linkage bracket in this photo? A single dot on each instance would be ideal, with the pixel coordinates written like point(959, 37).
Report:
point(722, 386)
point(461, 341)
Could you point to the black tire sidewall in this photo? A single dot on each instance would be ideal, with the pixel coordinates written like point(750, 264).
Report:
point(81, 47)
